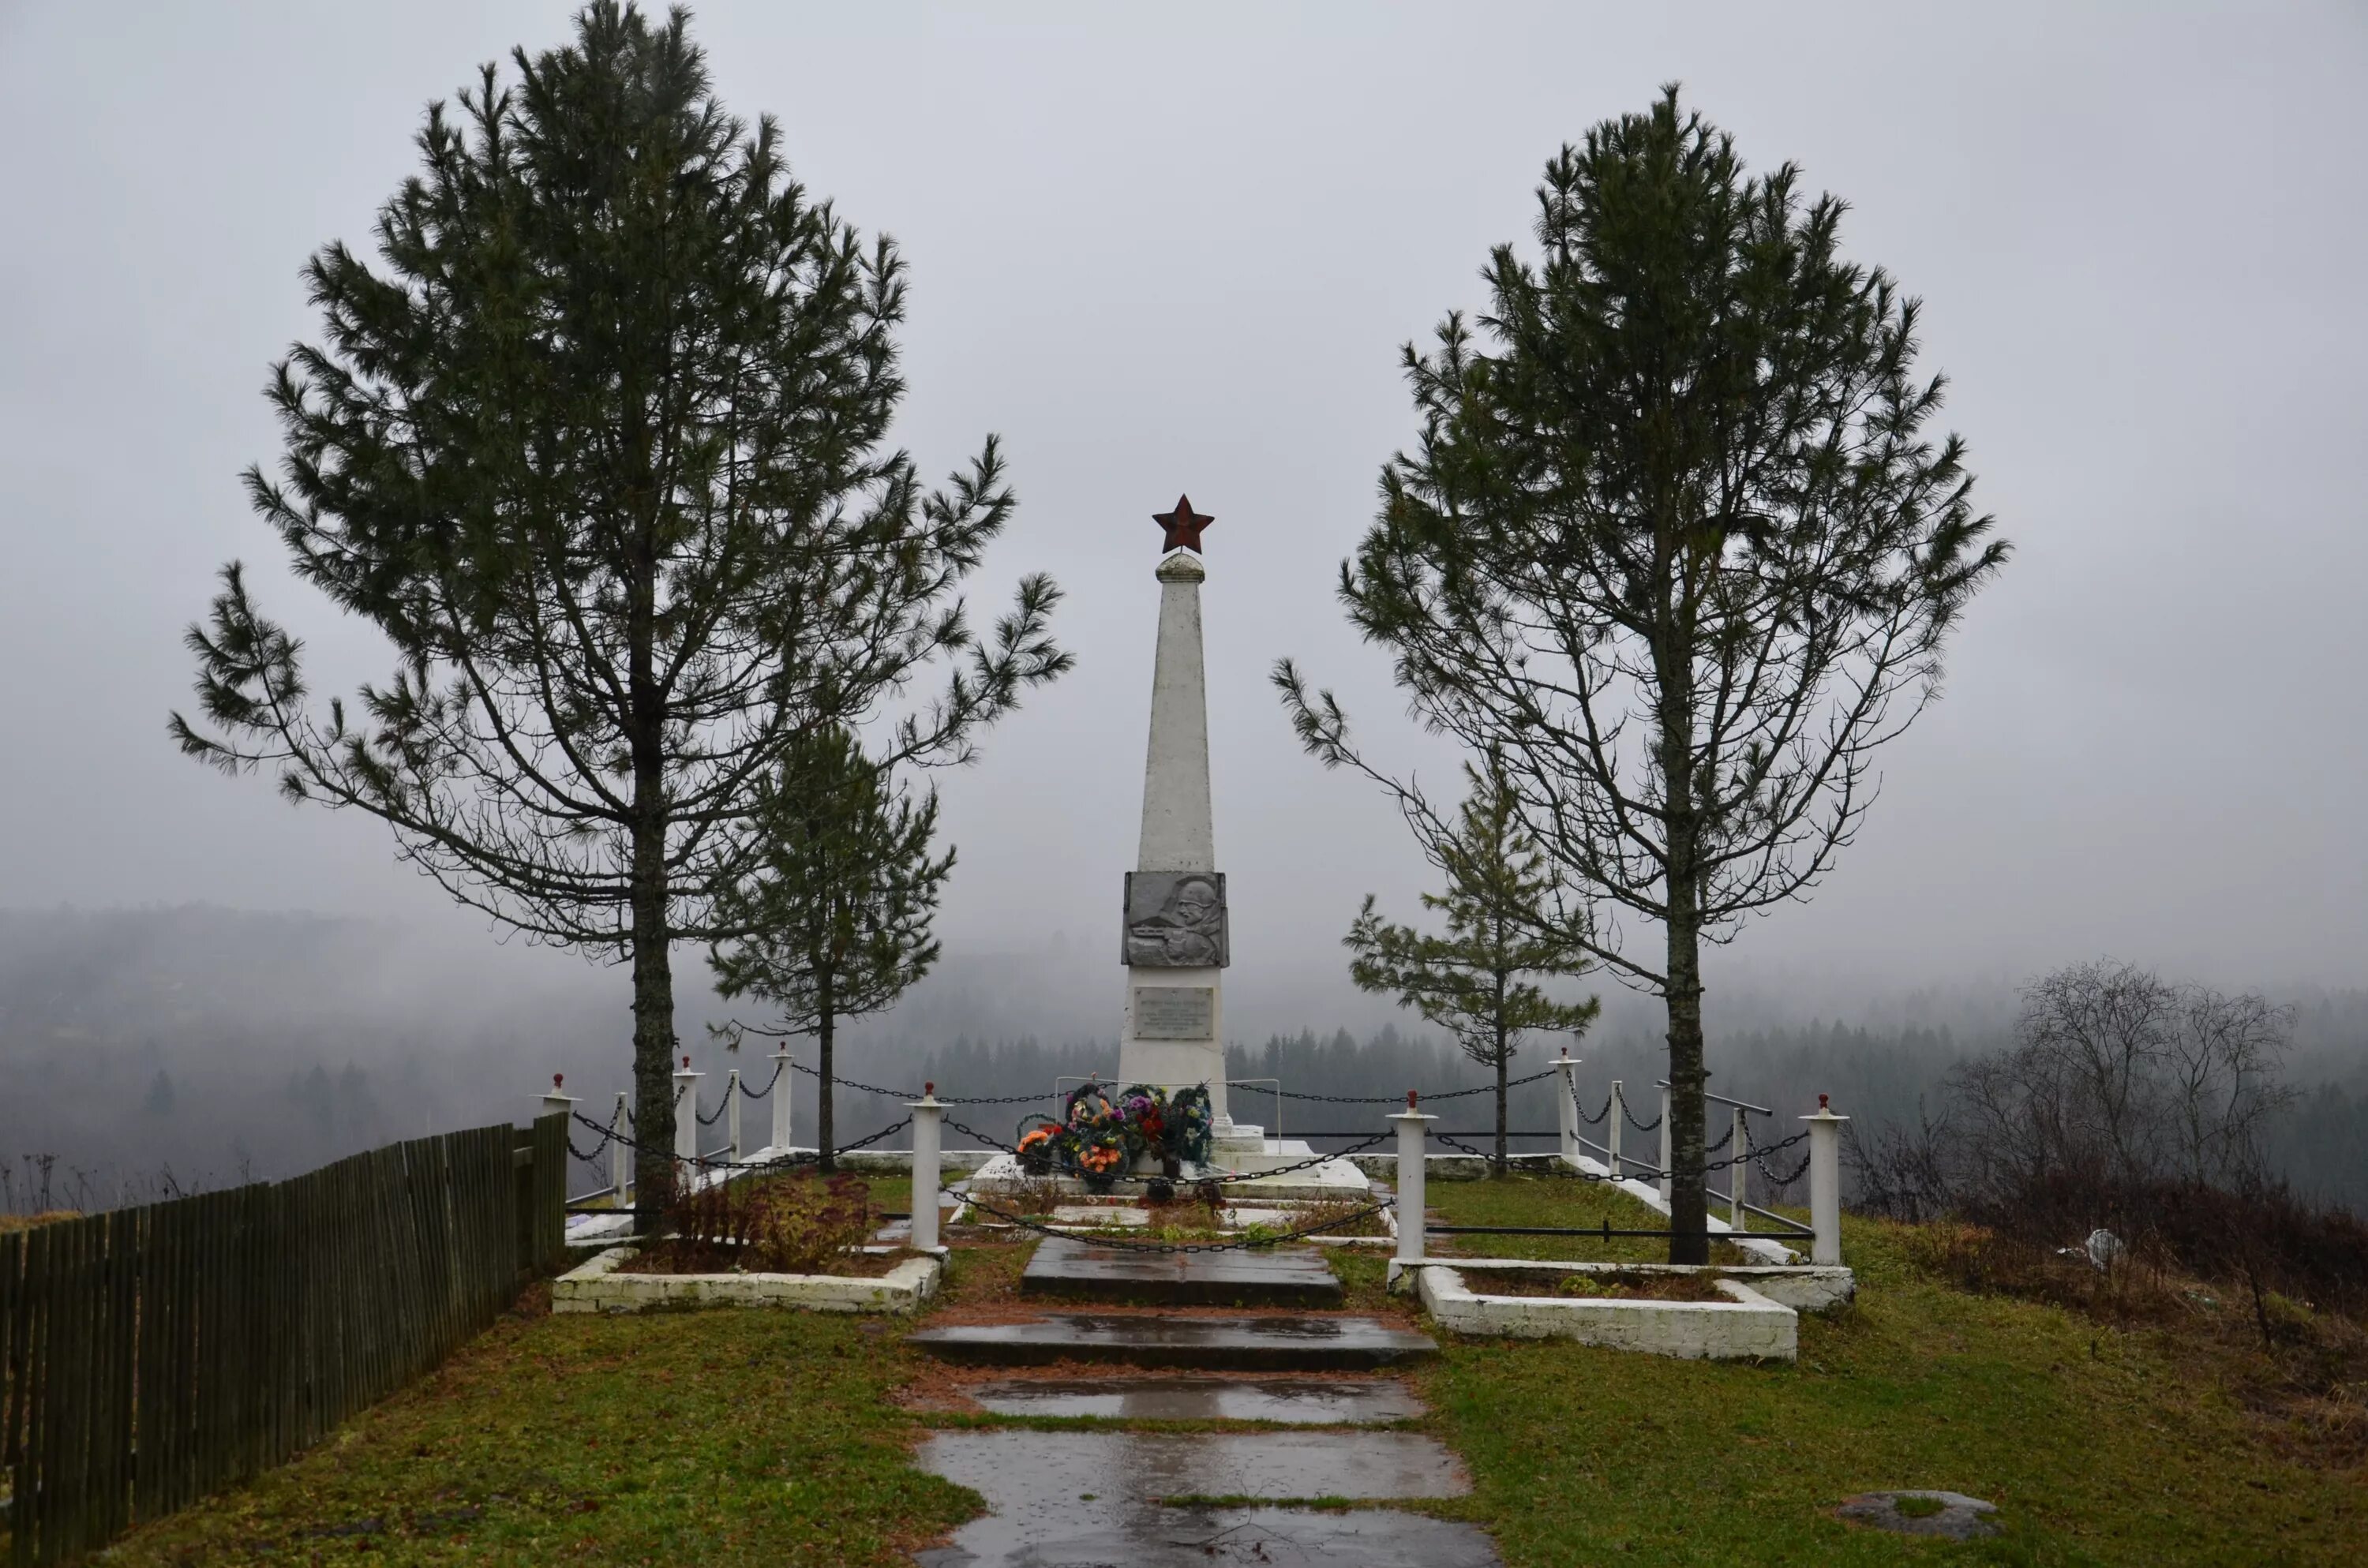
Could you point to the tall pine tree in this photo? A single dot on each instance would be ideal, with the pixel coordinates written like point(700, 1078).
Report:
point(600, 444)
point(1678, 542)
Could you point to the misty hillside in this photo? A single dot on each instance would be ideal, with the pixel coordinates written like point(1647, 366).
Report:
point(206, 1045)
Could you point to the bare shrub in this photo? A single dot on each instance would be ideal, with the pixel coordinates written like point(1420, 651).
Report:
point(780, 1224)
point(2128, 1103)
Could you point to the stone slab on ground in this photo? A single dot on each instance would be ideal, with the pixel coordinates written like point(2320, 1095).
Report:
point(1299, 1401)
point(1091, 1497)
point(1130, 1215)
point(1258, 1343)
point(1952, 1515)
point(1074, 1270)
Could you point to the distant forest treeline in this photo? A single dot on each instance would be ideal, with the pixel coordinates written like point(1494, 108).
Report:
point(1874, 1075)
point(215, 1046)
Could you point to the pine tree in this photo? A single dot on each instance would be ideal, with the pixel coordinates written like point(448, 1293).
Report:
point(1470, 981)
point(1675, 542)
point(601, 446)
point(835, 914)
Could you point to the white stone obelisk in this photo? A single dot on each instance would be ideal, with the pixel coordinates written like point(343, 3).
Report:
point(1174, 1033)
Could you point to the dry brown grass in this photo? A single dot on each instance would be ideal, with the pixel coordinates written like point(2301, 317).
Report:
point(2302, 1369)
point(11, 1222)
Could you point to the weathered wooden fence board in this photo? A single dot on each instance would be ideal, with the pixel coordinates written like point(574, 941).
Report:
point(151, 1355)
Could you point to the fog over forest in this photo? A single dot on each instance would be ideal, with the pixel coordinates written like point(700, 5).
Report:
point(1179, 250)
point(206, 1045)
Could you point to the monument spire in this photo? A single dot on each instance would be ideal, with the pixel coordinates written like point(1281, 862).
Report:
point(1179, 832)
point(1174, 941)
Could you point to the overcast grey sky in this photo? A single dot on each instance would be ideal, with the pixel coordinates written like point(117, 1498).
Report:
point(1177, 248)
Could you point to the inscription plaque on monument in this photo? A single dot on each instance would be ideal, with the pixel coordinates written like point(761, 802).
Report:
point(1175, 1012)
point(1176, 920)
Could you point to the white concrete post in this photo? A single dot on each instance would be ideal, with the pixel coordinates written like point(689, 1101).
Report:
point(563, 1103)
point(1413, 1151)
point(1665, 1143)
point(732, 1111)
point(1736, 1143)
point(1612, 1127)
point(686, 1112)
point(1568, 1120)
point(1826, 1183)
point(926, 1114)
point(781, 1103)
point(620, 1157)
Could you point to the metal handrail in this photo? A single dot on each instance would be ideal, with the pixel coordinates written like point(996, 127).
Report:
point(1278, 1105)
point(1739, 1105)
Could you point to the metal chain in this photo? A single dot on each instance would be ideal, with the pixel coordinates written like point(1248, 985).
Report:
point(1652, 1126)
point(1649, 1174)
point(1308, 1164)
point(760, 1094)
point(1246, 1244)
point(710, 1119)
point(837, 1081)
point(1385, 1100)
point(1759, 1158)
point(608, 1136)
point(779, 1162)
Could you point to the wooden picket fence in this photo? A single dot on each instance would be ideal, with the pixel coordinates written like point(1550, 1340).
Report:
point(151, 1355)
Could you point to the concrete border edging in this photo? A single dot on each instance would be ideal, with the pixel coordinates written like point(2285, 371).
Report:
point(1804, 1286)
point(1748, 1326)
point(598, 1287)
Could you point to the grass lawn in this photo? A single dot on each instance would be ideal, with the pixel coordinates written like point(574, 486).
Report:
point(681, 1437)
point(761, 1436)
point(2098, 1445)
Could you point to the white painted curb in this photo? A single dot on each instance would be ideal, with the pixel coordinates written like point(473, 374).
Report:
point(1748, 1326)
point(597, 1287)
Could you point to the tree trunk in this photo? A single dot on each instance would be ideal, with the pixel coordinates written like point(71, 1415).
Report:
point(825, 1127)
point(654, 1039)
point(1502, 1165)
point(653, 1173)
point(1688, 1196)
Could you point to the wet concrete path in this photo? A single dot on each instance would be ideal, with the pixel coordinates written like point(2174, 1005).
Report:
point(1081, 1499)
point(1298, 1402)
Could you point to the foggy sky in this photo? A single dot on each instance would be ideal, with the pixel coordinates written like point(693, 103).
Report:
point(1163, 252)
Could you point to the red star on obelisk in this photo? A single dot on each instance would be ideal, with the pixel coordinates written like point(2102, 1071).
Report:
point(1183, 526)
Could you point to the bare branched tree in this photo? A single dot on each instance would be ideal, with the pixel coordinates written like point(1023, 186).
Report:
point(2117, 1078)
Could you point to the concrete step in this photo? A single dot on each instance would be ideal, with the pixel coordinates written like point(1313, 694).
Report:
point(1251, 1343)
point(1094, 1498)
point(1312, 1401)
point(1073, 1270)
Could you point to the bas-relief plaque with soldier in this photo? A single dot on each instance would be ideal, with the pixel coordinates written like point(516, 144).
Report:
point(1176, 920)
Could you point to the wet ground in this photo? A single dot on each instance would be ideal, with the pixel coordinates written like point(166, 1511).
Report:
point(1161, 1499)
point(1075, 1498)
point(1260, 1342)
point(1302, 1401)
point(1079, 1270)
